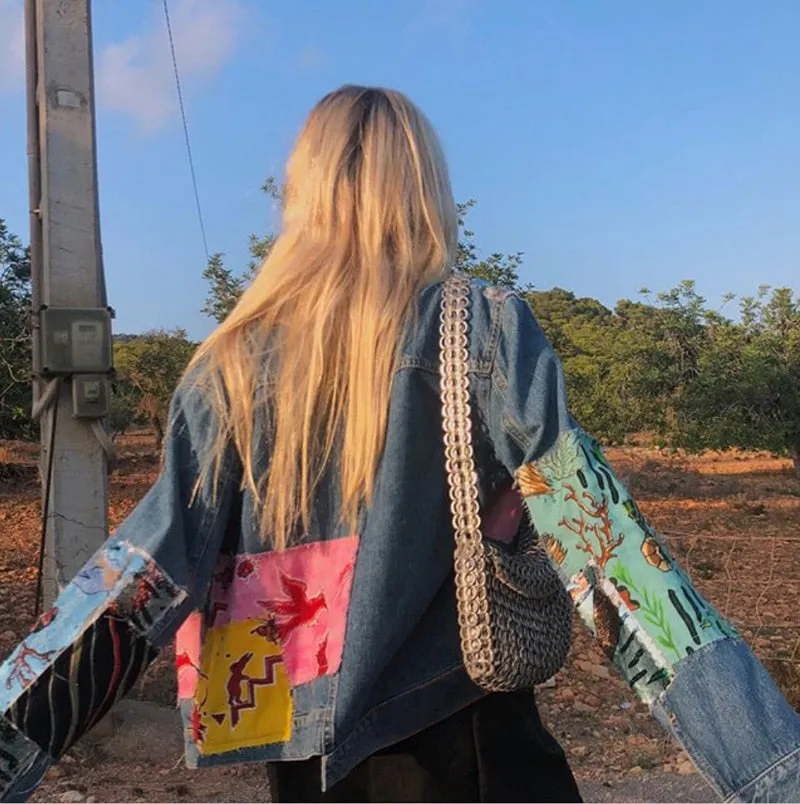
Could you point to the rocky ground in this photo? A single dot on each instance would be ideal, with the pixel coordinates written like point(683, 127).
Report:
point(143, 762)
point(731, 518)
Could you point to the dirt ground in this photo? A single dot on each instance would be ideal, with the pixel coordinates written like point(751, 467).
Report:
point(731, 518)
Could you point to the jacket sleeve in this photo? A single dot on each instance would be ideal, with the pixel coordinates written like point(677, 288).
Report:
point(109, 622)
point(679, 654)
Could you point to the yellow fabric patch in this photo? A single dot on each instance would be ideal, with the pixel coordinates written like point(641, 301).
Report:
point(249, 701)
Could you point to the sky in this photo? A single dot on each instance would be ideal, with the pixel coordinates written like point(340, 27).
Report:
point(617, 143)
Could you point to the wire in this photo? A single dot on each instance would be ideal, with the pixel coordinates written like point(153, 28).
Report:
point(105, 442)
point(48, 397)
point(45, 510)
point(186, 129)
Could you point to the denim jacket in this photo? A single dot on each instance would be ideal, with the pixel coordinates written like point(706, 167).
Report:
point(346, 642)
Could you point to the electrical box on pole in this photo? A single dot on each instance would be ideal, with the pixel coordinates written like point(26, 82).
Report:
point(74, 341)
point(72, 330)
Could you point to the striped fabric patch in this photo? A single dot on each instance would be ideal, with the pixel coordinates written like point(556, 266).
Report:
point(120, 580)
point(85, 653)
point(81, 685)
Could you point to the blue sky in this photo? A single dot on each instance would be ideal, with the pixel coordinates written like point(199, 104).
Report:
point(618, 143)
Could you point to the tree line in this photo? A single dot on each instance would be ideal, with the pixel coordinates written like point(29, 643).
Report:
point(666, 365)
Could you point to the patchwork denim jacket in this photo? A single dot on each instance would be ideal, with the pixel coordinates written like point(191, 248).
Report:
point(347, 642)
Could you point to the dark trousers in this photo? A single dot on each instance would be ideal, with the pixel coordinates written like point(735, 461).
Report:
point(497, 749)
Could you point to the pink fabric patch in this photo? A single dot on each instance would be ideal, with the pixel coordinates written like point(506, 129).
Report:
point(188, 645)
point(301, 595)
point(501, 521)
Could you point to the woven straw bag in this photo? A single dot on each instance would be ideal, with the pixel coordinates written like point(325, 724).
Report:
point(514, 614)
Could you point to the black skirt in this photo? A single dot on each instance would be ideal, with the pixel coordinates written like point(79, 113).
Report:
point(497, 749)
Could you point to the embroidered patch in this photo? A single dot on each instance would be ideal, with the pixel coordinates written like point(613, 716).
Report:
point(79, 685)
point(243, 697)
point(598, 537)
point(120, 580)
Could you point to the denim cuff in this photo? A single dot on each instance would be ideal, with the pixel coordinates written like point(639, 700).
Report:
point(733, 721)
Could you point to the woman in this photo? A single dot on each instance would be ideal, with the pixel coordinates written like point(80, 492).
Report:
point(299, 538)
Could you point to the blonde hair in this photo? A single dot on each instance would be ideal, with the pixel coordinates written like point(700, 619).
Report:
point(368, 220)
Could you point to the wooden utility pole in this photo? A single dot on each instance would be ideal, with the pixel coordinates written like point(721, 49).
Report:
point(69, 295)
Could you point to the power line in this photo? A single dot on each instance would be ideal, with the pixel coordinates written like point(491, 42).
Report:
point(186, 130)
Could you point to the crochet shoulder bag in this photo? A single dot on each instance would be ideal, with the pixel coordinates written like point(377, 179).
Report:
point(514, 614)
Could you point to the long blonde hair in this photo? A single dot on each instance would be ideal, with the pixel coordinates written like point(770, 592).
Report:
point(368, 220)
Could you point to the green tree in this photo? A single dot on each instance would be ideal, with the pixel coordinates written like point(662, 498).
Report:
point(604, 362)
point(667, 364)
point(149, 367)
point(15, 337)
point(122, 414)
point(498, 268)
point(226, 286)
point(746, 391)
point(627, 369)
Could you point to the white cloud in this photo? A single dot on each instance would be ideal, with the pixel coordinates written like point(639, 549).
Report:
point(135, 77)
point(12, 45)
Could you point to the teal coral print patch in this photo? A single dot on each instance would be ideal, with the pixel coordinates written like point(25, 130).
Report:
point(641, 605)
